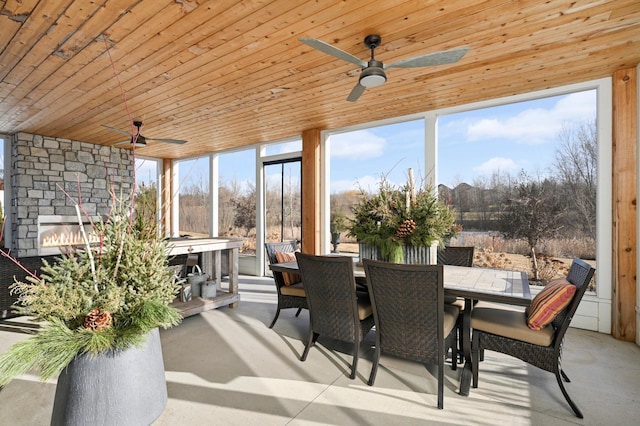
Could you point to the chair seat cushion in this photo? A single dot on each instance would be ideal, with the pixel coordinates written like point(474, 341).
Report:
point(553, 298)
point(364, 307)
point(288, 278)
point(455, 301)
point(509, 323)
point(451, 313)
point(450, 299)
point(293, 290)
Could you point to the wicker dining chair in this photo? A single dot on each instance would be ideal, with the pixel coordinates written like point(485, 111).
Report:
point(290, 295)
point(506, 331)
point(336, 310)
point(457, 256)
point(412, 321)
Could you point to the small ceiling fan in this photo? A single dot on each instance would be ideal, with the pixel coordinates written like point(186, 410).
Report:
point(138, 140)
point(373, 74)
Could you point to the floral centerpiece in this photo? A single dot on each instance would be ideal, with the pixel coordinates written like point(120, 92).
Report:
point(395, 217)
point(100, 298)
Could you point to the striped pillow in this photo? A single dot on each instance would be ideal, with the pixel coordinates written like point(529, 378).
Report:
point(553, 298)
point(288, 278)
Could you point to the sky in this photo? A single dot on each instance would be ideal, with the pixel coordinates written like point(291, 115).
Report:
point(471, 145)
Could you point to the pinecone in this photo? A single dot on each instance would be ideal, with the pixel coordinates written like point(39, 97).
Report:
point(97, 320)
point(406, 228)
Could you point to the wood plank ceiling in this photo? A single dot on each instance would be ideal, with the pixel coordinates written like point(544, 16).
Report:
point(228, 73)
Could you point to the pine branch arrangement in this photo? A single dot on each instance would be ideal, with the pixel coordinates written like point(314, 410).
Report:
point(96, 299)
point(397, 216)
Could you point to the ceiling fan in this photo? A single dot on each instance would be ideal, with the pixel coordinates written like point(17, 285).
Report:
point(138, 140)
point(373, 74)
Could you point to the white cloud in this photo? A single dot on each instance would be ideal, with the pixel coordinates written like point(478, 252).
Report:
point(496, 164)
point(368, 183)
point(287, 147)
point(360, 144)
point(577, 106)
point(338, 186)
point(536, 125)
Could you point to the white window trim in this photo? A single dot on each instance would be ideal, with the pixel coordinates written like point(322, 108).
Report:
point(175, 199)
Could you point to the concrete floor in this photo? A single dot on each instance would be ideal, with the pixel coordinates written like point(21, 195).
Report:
point(225, 367)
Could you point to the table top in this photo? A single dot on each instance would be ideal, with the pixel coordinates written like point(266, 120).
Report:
point(492, 285)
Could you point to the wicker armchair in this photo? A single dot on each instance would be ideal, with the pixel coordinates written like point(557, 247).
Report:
point(412, 321)
point(506, 331)
point(292, 296)
point(336, 310)
point(9, 272)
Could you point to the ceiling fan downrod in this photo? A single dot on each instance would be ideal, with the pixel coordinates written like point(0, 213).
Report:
point(373, 75)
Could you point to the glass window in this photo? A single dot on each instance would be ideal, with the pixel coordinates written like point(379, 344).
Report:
point(147, 190)
point(237, 197)
point(524, 161)
point(360, 159)
point(283, 147)
point(194, 204)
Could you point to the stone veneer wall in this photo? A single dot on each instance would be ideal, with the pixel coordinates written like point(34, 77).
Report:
point(41, 166)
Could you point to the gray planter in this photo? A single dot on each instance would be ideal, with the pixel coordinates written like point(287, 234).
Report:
point(412, 255)
point(117, 388)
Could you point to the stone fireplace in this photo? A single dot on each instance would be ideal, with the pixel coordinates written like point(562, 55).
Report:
point(50, 175)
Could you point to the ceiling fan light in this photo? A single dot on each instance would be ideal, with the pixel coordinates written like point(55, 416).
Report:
point(372, 77)
point(138, 141)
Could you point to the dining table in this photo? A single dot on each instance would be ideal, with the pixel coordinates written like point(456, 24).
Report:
point(470, 283)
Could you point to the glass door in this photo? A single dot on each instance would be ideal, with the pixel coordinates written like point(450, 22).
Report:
point(283, 204)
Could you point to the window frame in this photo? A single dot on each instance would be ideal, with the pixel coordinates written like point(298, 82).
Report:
point(601, 300)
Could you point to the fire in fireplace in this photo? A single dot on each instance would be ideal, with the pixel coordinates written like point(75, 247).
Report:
point(55, 233)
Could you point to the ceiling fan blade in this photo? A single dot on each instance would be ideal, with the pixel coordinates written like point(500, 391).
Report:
point(356, 92)
point(175, 141)
point(436, 58)
point(128, 144)
point(333, 51)
point(117, 130)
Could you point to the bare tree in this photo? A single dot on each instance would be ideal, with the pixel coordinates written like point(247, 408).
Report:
point(291, 213)
point(576, 164)
point(194, 207)
point(227, 192)
point(534, 213)
point(245, 209)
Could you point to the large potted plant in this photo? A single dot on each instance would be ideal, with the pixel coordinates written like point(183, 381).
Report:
point(393, 221)
point(100, 307)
